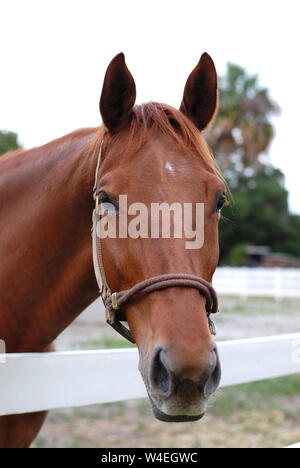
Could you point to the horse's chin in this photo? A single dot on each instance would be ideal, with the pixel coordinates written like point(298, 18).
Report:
point(161, 416)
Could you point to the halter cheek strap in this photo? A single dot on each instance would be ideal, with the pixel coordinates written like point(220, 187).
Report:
point(104, 290)
point(114, 302)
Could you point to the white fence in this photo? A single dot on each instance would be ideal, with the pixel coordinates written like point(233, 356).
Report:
point(273, 282)
point(34, 382)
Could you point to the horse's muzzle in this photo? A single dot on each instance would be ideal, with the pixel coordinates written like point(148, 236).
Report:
point(177, 394)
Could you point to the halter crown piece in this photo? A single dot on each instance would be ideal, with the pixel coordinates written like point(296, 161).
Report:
point(114, 302)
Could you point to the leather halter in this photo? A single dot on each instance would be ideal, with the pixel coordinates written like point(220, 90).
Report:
point(114, 302)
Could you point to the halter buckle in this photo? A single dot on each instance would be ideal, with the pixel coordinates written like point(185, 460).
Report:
point(114, 301)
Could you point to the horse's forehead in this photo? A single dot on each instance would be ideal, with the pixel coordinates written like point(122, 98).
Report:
point(166, 161)
point(162, 157)
point(170, 178)
point(161, 163)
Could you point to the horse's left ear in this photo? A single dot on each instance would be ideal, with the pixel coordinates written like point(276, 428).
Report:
point(200, 96)
point(118, 94)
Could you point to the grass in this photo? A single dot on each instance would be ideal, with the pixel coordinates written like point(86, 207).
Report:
point(263, 394)
point(143, 407)
point(257, 305)
point(106, 342)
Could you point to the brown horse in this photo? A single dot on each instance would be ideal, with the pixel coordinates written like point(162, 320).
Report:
point(152, 153)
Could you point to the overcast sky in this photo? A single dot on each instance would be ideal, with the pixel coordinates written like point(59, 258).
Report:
point(54, 55)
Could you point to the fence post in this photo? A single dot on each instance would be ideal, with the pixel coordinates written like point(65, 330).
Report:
point(279, 291)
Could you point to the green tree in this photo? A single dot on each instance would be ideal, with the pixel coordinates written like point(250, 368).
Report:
point(258, 213)
point(8, 141)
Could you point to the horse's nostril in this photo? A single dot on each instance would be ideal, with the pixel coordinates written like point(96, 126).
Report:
point(160, 375)
point(215, 377)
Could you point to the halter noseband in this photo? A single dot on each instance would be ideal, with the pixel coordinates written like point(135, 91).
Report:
point(114, 301)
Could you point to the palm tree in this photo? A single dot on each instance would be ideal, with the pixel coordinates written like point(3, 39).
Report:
point(242, 130)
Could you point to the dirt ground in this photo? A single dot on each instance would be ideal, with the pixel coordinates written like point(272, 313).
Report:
point(266, 414)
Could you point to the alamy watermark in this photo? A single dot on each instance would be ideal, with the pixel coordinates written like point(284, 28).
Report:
point(161, 220)
point(2, 352)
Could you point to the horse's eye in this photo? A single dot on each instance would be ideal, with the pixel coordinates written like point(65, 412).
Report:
point(107, 203)
point(220, 202)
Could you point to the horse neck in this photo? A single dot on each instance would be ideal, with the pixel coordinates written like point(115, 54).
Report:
point(47, 275)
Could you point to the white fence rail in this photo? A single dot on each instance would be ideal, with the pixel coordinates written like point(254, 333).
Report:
point(34, 382)
point(273, 282)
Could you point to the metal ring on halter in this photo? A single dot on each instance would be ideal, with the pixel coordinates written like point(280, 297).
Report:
point(114, 301)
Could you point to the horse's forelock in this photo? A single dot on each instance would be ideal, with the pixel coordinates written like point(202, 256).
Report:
point(171, 122)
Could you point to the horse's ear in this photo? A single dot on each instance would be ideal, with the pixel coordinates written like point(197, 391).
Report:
point(200, 96)
point(118, 94)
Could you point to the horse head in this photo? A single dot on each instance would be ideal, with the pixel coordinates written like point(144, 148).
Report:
point(155, 157)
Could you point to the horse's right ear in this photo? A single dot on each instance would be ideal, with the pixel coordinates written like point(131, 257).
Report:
point(118, 95)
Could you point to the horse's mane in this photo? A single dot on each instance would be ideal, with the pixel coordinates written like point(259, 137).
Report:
point(171, 122)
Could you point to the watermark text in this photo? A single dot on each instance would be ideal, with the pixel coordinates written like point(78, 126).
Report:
point(160, 220)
